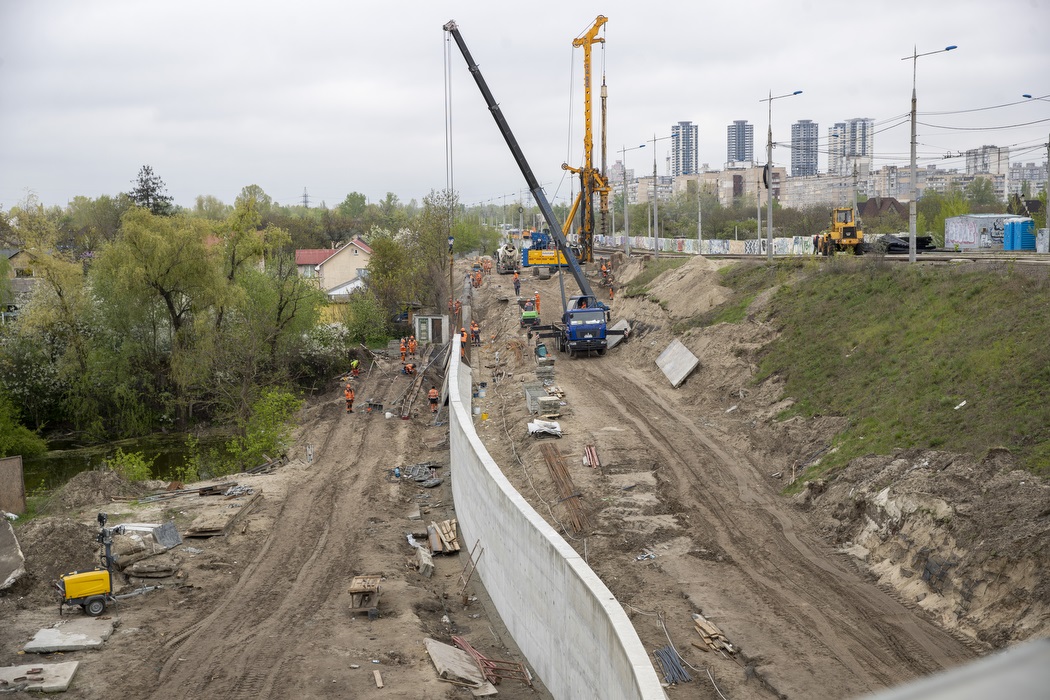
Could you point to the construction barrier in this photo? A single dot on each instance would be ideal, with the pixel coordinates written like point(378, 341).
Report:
point(566, 622)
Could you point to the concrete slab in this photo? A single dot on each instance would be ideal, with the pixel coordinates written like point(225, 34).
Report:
point(677, 362)
point(12, 561)
point(453, 663)
point(53, 678)
point(73, 634)
point(614, 340)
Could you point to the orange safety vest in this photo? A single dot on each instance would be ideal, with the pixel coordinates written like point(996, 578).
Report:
point(349, 393)
point(432, 394)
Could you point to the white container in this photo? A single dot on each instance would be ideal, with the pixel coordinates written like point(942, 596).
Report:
point(477, 410)
point(388, 414)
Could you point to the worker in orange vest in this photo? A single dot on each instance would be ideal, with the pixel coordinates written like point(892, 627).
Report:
point(475, 334)
point(412, 346)
point(432, 397)
point(403, 350)
point(349, 394)
point(463, 343)
point(537, 302)
point(517, 284)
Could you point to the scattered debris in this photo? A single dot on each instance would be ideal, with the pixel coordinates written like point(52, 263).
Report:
point(220, 521)
point(538, 428)
point(646, 554)
point(424, 562)
point(711, 635)
point(495, 670)
point(443, 537)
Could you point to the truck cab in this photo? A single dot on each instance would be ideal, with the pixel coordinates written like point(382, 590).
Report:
point(584, 330)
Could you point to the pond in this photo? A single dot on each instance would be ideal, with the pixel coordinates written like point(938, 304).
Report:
point(66, 459)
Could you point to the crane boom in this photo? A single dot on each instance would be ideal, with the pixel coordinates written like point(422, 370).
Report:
point(519, 157)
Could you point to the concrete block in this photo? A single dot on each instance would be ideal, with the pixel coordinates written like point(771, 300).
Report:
point(54, 678)
point(12, 561)
point(73, 634)
point(677, 362)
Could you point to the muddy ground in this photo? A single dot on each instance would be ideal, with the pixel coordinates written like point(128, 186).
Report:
point(903, 565)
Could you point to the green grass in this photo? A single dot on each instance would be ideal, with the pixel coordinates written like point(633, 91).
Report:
point(897, 348)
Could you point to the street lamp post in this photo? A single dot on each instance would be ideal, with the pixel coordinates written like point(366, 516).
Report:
point(656, 197)
point(1047, 185)
point(769, 172)
point(914, 58)
point(626, 205)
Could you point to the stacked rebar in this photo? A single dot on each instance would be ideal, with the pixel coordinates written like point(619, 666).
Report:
point(567, 493)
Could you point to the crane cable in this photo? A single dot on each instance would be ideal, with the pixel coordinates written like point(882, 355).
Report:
point(449, 170)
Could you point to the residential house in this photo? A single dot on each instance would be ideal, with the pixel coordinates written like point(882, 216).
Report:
point(19, 284)
point(338, 271)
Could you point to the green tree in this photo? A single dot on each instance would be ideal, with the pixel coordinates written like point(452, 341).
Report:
point(150, 192)
point(162, 282)
point(981, 195)
point(207, 206)
point(364, 319)
point(265, 433)
point(15, 438)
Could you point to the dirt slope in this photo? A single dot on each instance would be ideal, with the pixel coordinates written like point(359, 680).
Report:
point(688, 481)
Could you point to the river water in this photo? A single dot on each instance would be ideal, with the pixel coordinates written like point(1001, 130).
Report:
point(66, 459)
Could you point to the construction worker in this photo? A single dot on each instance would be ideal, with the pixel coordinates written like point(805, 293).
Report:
point(475, 334)
point(404, 350)
point(355, 367)
point(412, 346)
point(605, 271)
point(459, 308)
point(537, 302)
point(816, 244)
point(409, 369)
point(611, 291)
point(517, 284)
point(349, 394)
point(463, 344)
point(432, 397)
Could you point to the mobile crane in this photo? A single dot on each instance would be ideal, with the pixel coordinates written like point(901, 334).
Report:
point(584, 324)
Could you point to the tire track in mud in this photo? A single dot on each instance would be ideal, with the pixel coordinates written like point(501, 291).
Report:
point(242, 648)
point(870, 633)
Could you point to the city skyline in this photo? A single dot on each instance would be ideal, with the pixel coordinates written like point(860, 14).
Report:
point(283, 100)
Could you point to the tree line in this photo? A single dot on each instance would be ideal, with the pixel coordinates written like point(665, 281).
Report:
point(144, 316)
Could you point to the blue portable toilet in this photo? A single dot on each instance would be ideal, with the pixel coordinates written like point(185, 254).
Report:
point(1024, 234)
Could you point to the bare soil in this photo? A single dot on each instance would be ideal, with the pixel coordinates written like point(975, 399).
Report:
point(843, 589)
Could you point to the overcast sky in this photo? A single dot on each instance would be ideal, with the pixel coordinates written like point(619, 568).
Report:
point(337, 97)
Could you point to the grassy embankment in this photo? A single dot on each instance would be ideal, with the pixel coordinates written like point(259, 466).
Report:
point(897, 349)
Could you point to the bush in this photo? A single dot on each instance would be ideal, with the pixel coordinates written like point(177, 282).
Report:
point(133, 466)
point(266, 433)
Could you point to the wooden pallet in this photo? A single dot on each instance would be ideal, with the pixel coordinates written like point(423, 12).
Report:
point(364, 592)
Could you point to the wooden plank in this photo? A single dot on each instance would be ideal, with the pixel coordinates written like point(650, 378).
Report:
point(379, 678)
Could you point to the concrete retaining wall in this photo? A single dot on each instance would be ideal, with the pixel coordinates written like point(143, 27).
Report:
point(564, 619)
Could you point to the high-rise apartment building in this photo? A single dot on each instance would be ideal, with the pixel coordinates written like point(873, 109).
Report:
point(850, 143)
point(740, 142)
point(804, 137)
point(684, 148)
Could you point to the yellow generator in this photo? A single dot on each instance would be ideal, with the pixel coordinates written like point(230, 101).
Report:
point(91, 590)
point(88, 589)
point(844, 234)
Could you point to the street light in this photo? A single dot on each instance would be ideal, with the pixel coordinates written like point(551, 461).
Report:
point(626, 218)
point(914, 58)
point(1047, 186)
point(656, 197)
point(769, 172)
